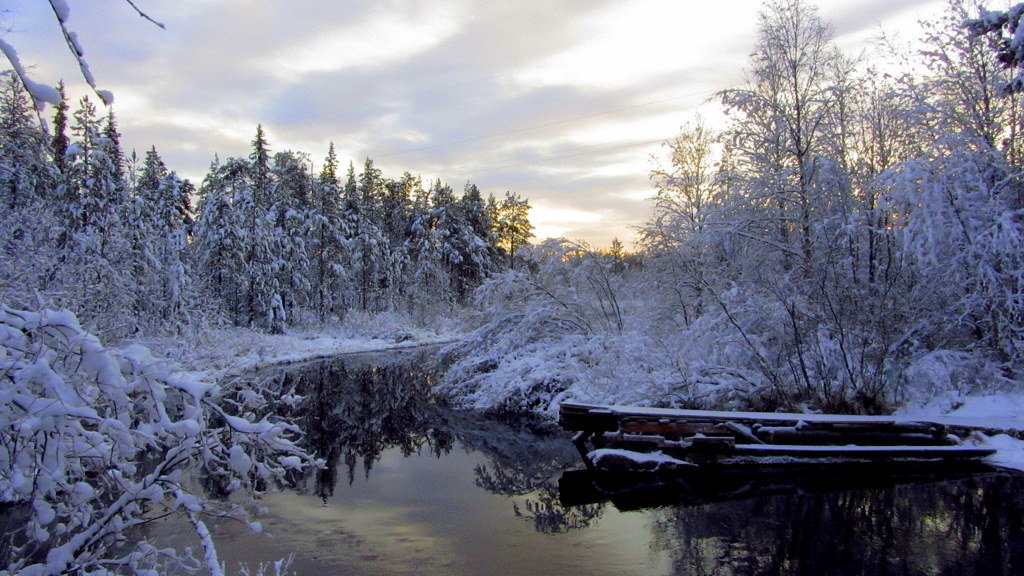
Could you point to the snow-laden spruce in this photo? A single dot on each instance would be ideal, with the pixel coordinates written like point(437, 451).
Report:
point(95, 442)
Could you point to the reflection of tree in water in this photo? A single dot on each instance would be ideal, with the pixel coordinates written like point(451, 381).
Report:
point(549, 516)
point(354, 409)
point(961, 527)
point(525, 458)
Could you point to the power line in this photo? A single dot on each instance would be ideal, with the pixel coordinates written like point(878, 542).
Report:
point(545, 125)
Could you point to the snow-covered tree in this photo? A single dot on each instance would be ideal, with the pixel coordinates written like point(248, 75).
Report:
point(219, 248)
point(780, 126)
point(959, 230)
point(329, 276)
point(475, 244)
point(59, 144)
point(965, 81)
point(292, 191)
point(25, 173)
point(1004, 27)
point(98, 442)
point(93, 273)
point(512, 226)
point(164, 296)
point(370, 256)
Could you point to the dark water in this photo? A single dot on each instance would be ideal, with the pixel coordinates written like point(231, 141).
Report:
point(414, 488)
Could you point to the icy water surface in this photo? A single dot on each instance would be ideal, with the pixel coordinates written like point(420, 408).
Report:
point(413, 488)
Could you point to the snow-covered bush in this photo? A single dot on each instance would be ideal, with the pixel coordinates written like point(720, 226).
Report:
point(95, 442)
point(960, 227)
point(562, 330)
point(539, 331)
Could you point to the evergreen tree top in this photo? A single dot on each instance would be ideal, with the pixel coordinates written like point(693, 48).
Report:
point(329, 173)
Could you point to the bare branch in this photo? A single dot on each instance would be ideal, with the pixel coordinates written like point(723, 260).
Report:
point(144, 15)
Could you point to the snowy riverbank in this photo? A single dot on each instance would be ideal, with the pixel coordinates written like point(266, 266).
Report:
point(996, 412)
point(213, 353)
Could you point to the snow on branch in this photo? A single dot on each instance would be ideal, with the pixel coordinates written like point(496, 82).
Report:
point(96, 441)
point(63, 13)
point(1008, 30)
point(43, 94)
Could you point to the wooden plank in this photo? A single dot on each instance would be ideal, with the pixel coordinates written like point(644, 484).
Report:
point(840, 452)
point(741, 432)
point(711, 443)
point(672, 429)
point(768, 418)
point(588, 420)
point(864, 437)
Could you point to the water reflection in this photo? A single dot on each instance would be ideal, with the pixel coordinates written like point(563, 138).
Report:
point(525, 458)
point(965, 526)
point(355, 408)
point(901, 523)
point(361, 409)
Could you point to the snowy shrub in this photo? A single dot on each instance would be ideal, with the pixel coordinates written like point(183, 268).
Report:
point(539, 331)
point(942, 379)
point(561, 330)
point(960, 230)
point(96, 442)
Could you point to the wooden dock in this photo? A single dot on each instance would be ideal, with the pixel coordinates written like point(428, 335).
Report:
point(629, 438)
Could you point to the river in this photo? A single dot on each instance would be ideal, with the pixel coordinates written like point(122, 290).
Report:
point(412, 487)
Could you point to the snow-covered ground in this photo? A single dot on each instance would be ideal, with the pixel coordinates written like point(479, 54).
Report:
point(995, 411)
point(212, 353)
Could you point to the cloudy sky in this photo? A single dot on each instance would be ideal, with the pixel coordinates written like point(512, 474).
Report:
point(562, 101)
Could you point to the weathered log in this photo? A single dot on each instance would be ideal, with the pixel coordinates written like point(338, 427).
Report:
point(866, 437)
point(740, 431)
point(669, 429)
point(868, 452)
point(711, 443)
point(745, 418)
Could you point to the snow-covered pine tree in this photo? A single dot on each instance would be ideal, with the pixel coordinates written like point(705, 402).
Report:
point(292, 192)
point(94, 275)
point(477, 243)
point(157, 240)
point(26, 179)
point(111, 145)
point(372, 262)
point(512, 225)
point(397, 209)
point(219, 246)
point(463, 254)
point(59, 144)
point(426, 277)
point(327, 242)
point(263, 303)
point(25, 173)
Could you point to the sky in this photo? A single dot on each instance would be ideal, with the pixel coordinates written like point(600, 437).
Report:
point(565, 102)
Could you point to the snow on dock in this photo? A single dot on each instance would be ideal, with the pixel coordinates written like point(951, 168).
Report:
point(639, 437)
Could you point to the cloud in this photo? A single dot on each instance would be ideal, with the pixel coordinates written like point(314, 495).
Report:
point(562, 101)
point(381, 39)
point(856, 18)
